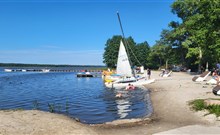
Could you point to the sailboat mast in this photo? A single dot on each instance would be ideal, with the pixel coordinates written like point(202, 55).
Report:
point(123, 35)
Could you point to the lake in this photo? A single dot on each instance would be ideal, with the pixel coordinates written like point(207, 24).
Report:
point(86, 99)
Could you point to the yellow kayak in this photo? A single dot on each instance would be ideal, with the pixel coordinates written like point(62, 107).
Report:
point(108, 80)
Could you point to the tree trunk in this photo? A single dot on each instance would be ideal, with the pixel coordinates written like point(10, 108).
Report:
point(200, 60)
point(207, 66)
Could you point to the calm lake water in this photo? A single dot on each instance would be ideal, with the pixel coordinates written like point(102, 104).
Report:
point(84, 98)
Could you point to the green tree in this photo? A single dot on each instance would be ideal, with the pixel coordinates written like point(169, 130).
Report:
point(142, 53)
point(154, 59)
point(111, 51)
point(161, 52)
point(176, 37)
point(201, 29)
point(159, 55)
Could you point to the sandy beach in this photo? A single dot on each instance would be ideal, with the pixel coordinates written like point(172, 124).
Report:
point(170, 97)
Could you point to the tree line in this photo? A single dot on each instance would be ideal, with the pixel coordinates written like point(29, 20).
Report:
point(46, 65)
point(193, 42)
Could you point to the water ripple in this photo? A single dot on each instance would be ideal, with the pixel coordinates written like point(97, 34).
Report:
point(84, 98)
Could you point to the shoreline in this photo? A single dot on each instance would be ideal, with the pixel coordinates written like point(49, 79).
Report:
point(169, 98)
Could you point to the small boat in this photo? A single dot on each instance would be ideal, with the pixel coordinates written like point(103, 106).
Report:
point(8, 70)
point(85, 74)
point(124, 70)
point(122, 85)
point(127, 75)
point(23, 70)
point(112, 77)
point(45, 70)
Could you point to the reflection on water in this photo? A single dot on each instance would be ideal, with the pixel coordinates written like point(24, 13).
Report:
point(84, 98)
point(123, 108)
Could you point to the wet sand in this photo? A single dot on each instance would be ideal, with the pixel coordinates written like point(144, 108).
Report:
point(170, 97)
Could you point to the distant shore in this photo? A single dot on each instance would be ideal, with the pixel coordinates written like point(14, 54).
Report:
point(170, 97)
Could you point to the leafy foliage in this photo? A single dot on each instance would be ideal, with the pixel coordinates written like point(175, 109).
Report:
point(200, 29)
point(161, 52)
point(143, 51)
point(111, 51)
point(137, 53)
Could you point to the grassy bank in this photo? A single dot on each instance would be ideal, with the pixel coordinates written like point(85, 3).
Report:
point(199, 105)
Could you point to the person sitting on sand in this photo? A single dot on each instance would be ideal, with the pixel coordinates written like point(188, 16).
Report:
point(218, 79)
point(216, 89)
point(162, 73)
point(215, 75)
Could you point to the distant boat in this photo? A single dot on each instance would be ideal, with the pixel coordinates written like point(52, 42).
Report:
point(8, 70)
point(85, 74)
point(45, 70)
point(23, 70)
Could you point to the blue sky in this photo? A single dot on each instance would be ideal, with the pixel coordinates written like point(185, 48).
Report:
point(75, 32)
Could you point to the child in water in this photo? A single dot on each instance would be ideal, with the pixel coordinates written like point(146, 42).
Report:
point(130, 87)
point(119, 95)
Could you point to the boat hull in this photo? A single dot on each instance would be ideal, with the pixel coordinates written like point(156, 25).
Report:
point(84, 75)
point(8, 70)
point(122, 85)
point(111, 78)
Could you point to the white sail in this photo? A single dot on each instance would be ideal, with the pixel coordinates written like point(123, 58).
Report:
point(123, 64)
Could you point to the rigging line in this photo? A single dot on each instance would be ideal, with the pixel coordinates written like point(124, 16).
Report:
point(134, 55)
point(126, 42)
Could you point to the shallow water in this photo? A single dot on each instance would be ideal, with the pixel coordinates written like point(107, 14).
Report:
point(84, 98)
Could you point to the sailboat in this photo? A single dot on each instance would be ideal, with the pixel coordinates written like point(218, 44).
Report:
point(125, 71)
